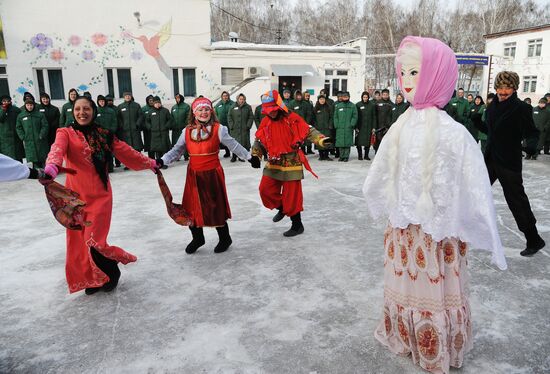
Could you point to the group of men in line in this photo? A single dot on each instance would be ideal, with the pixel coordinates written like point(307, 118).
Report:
point(29, 131)
point(463, 109)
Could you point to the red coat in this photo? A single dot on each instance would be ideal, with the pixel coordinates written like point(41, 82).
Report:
point(71, 146)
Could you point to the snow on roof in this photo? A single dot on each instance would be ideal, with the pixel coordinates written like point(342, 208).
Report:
point(225, 45)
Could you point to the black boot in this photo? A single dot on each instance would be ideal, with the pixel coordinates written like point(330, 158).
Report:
point(310, 150)
point(225, 239)
point(367, 149)
point(91, 291)
point(109, 267)
point(233, 158)
point(197, 242)
point(297, 228)
point(534, 243)
point(360, 153)
point(279, 216)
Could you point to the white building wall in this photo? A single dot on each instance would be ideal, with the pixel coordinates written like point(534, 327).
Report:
point(241, 58)
point(71, 26)
point(521, 64)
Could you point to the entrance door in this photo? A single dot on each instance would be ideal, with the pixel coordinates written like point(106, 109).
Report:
point(291, 83)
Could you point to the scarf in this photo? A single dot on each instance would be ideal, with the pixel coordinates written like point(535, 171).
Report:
point(100, 142)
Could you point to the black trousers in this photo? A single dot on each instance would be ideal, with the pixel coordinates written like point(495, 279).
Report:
point(514, 193)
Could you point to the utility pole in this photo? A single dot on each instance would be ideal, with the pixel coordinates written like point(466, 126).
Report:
point(279, 36)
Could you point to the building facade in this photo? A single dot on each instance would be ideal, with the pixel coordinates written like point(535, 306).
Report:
point(152, 48)
point(525, 51)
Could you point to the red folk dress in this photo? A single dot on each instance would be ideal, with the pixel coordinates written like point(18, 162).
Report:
point(71, 146)
point(205, 195)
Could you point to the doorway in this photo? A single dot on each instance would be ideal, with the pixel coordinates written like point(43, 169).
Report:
point(291, 83)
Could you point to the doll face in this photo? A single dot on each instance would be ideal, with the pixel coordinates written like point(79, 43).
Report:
point(410, 76)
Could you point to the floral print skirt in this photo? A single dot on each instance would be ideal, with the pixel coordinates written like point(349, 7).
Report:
point(426, 310)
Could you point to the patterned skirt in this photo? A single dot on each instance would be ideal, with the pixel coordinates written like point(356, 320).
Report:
point(426, 309)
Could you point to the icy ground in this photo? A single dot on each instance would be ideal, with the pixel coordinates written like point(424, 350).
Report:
point(268, 305)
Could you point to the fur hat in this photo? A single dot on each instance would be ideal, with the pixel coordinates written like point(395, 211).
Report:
point(507, 79)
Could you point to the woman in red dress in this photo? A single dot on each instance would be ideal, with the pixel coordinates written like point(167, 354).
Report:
point(205, 196)
point(92, 264)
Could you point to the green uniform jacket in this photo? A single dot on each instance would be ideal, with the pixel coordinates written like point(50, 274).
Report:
point(130, 119)
point(541, 117)
point(106, 118)
point(462, 109)
point(302, 108)
point(240, 119)
point(287, 102)
point(398, 110)
point(365, 122)
point(258, 116)
point(345, 120)
point(159, 122)
point(180, 115)
point(324, 119)
point(482, 135)
point(32, 128)
point(66, 116)
point(383, 113)
point(221, 111)
point(51, 112)
point(146, 109)
point(10, 144)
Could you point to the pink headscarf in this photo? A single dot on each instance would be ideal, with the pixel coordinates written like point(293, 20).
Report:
point(438, 73)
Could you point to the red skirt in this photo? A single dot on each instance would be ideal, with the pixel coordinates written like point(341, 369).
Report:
point(205, 195)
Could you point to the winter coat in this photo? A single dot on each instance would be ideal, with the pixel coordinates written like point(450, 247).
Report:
point(10, 144)
point(66, 116)
point(146, 109)
point(221, 111)
point(398, 110)
point(462, 109)
point(506, 124)
point(345, 121)
point(180, 116)
point(324, 119)
point(541, 118)
point(383, 113)
point(106, 118)
point(130, 120)
point(365, 122)
point(159, 122)
point(303, 108)
point(32, 128)
point(52, 114)
point(258, 116)
point(240, 119)
point(480, 110)
point(473, 109)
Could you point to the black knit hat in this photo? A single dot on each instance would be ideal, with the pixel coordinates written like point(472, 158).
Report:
point(156, 99)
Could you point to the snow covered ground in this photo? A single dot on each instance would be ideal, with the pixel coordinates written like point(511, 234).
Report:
point(269, 305)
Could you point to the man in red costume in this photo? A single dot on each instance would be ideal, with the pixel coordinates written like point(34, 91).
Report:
point(280, 136)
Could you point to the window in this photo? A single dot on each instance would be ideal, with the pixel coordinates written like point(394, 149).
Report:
point(184, 81)
point(510, 49)
point(232, 76)
point(336, 81)
point(530, 83)
point(51, 81)
point(4, 87)
point(534, 48)
point(120, 78)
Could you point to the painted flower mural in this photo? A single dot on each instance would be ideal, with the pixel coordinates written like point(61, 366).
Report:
point(152, 86)
point(57, 55)
point(41, 42)
point(99, 39)
point(75, 40)
point(21, 90)
point(136, 55)
point(88, 55)
point(82, 87)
